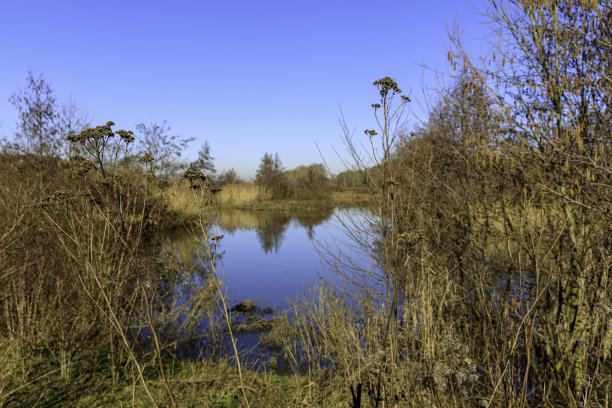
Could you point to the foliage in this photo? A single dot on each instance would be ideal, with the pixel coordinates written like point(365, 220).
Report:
point(270, 175)
point(308, 182)
point(227, 177)
point(38, 117)
point(550, 75)
point(351, 178)
point(42, 125)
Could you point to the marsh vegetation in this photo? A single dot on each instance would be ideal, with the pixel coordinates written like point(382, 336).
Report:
point(478, 272)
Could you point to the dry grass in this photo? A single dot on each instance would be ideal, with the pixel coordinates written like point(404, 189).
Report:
point(241, 195)
point(249, 196)
point(352, 197)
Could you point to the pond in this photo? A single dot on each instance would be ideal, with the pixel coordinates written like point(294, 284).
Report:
point(266, 259)
point(269, 258)
point(274, 256)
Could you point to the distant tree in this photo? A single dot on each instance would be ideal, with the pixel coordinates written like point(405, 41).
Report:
point(308, 182)
point(163, 146)
point(43, 125)
point(227, 177)
point(351, 178)
point(36, 105)
point(205, 162)
point(270, 174)
point(71, 121)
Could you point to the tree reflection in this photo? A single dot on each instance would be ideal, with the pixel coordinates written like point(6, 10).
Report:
point(271, 226)
point(271, 232)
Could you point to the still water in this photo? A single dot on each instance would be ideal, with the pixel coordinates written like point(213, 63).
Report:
point(274, 256)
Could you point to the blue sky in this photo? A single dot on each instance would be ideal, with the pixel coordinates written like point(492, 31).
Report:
point(248, 76)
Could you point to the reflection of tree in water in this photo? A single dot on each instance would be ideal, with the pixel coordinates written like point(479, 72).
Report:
point(271, 226)
point(309, 220)
point(271, 231)
point(190, 254)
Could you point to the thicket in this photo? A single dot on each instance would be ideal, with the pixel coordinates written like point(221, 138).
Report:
point(302, 183)
point(491, 235)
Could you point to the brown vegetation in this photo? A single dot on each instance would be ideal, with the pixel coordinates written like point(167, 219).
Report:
point(490, 244)
point(493, 286)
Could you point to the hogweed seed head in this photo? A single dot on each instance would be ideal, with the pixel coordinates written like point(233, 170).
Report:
point(163, 185)
point(126, 135)
point(57, 199)
point(84, 168)
point(147, 158)
point(385, 85)
point(97, 133)
point(194, 175)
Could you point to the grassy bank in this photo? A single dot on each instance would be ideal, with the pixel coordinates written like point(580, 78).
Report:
point(194, 384)
point(250, 196)
point(86, 319)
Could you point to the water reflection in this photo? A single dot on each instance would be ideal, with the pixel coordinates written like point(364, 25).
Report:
point(270, 226)
point(268, 256)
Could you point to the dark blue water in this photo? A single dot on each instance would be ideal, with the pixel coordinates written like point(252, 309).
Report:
point(276, 257)
point(271, 257)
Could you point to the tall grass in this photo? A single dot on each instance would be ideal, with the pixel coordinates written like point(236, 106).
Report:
point(470, 270)
point(83, 272)
point(241, 195)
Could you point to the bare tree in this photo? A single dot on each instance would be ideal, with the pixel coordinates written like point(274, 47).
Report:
point(205, 162)
point(166, 148)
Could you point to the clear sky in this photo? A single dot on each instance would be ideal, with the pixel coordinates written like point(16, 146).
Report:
point(248, 76)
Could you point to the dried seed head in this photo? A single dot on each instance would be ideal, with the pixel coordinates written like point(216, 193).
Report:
point(84, 168)
point(385, 85)
point(194, 175)
point(163, 185)
point(97, 133)
point(147, 158)
point(126, 135)
point(57, 199)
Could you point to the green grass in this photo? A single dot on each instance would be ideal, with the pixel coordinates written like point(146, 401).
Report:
point(194, 383)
